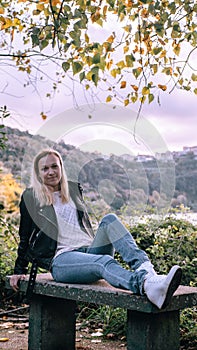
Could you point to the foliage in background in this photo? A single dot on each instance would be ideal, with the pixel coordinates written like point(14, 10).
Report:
point(8, 244)
point(10, 192)
point(168, 242)
point(133, 49)
point(4, 113)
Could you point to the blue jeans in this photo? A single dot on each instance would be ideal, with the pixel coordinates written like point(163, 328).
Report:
point(89, 264)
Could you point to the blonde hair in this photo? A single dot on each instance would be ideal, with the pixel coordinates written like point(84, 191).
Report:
point(41, 191)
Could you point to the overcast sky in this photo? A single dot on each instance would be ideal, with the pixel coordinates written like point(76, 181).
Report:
point(89, 126)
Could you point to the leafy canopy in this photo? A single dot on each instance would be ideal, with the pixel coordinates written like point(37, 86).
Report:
point(132, 49)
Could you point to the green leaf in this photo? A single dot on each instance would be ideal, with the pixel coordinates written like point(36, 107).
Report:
point(150, 98)
point(82, 76)
point(159, 28)
point(96, 58)
point(77, 67)
point(95, 75)
point(35, 40)
point(129, 60)
point(137, 72)
point(194, 77)
point(65, 66)
point(43, 44)
point(157, 50)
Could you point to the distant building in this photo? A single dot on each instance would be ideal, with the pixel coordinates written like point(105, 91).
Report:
point(144, 158)
point(164, 156)
point(190, 149)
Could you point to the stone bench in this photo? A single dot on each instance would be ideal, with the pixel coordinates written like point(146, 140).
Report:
point(52, 314)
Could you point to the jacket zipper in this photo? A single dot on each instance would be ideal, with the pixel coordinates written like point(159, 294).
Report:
point(31, 235)
point(40, 212)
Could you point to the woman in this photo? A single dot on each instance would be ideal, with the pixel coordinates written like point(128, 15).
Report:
point(56, 233)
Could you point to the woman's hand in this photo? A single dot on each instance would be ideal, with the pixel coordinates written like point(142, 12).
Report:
point(14, 279)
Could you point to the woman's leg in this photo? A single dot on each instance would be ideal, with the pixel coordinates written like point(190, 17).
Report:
point(78, 267)
point(158, 288)
point(112, 235)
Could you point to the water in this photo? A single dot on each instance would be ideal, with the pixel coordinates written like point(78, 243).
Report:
point(187, 216)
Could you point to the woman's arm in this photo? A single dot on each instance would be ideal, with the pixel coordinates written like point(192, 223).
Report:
point(25, 229)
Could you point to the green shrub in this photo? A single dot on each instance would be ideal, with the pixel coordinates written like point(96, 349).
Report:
point(169, 242)
point(8, 244)
point(188, 321)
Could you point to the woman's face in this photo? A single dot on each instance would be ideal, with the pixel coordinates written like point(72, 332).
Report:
point(50, 171)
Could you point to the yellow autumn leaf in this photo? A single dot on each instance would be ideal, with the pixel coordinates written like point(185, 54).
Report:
point(121, 64)
point(114, 72)
point(121, 16)
point(16, 22)
point(128, 28)
point(89, 76)
point(126, 102)
point(87, 39)
point(104, 10)
point(44, 116)
point(163, 53)
point(126, 49)
point(110, 39)
point(96, 15)
point(40, 7)
point(154, 68)
point(4, 339)
point(194, 77)
point(181, 81)
point(1, 10)
point(55, 2)
point(7, 23)
point(134, 98)
point(177, 49)
point(144, 13)
point(129, 3)
point(109, 64)
point(162, 87)
point(143, 99)
point(108, 99)
point(145, 90)
point(123, 84)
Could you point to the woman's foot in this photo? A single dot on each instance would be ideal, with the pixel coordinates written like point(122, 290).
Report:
point(160, 288)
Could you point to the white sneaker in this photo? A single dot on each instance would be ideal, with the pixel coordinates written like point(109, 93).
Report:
point(160, 288)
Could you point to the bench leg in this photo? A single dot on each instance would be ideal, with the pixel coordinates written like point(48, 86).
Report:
point(51, 324)
point(155, 331)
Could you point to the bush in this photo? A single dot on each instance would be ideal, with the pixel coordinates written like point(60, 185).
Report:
point(169, 242)
point(8, 244)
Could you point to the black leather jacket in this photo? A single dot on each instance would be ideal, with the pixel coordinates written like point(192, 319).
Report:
point(38, 229)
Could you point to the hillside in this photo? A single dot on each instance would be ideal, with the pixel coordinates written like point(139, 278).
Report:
point(114, 181)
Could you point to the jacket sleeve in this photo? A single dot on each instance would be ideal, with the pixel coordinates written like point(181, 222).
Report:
point(25, 229)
